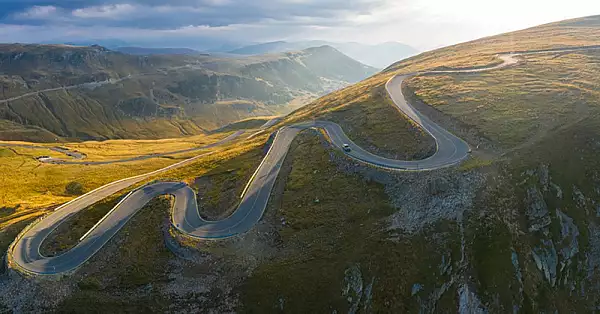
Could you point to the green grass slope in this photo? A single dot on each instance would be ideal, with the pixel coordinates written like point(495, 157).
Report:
point(519, 219)
point(155, 96)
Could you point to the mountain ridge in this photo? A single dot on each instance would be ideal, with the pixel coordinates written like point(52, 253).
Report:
point(133, 50)
point(96, 93)
point(378, 55)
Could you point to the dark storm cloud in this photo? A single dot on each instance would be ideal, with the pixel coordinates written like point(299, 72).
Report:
point(154, 14)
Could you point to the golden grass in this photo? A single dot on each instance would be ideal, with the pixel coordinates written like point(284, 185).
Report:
point(516, 105)
point(24, 181)
point(499, 104)
point(29, 184)
point(228, 173)
point(474, 163)
point(119, 149)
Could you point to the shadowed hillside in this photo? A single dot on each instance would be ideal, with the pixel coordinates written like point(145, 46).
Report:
point(94, 93)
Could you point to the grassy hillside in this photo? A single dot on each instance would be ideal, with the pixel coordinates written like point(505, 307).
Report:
point(154, 96)
point(513, 229)
point(529, 226)
point(25, 183)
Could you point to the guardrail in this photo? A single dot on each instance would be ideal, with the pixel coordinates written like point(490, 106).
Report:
point(260, 165)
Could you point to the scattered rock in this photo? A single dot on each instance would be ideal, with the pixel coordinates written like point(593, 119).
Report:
point(446, 266)
point(558, 190)
point(368, 297)
point(544, 176)
point(416, 288)
point(281, 303)
point(438, 186)
point(515, 261)
point(578, 197)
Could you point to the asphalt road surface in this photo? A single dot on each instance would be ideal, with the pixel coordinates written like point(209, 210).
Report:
point(25, 251)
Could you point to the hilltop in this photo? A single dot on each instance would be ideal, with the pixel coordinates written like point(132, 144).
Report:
point(71, 92)
point(378, 55)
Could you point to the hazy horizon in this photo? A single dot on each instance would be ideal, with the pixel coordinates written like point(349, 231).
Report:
point(199, 24)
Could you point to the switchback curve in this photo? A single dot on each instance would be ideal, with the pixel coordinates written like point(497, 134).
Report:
point(24, 253)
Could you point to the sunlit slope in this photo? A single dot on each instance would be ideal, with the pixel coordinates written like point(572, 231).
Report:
point(26, 183)
point(366, 95)
point(528, 241)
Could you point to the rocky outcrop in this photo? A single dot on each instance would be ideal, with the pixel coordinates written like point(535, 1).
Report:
point(354, 291)
point(568, 238)
point(428, 198)
point(546, 260)
point(353, 287)
point(592, 257)
point(557, 190)
point(544, 176)
point(469, 303)
point(519, 275)
point(578, 197)
point(537, 213)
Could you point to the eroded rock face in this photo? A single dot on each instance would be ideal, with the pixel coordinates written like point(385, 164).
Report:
point(469, 303)
point(592, 256)
point(568, 237)
point(445, 195)
point(352, 287)
point(546, 260)
point(514, 258)
point(354, 290)
point(537, 210)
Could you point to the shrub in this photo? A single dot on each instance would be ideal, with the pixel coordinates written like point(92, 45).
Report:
point(74, 188)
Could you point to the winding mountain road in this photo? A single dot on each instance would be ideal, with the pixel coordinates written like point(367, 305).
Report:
point(24, 254)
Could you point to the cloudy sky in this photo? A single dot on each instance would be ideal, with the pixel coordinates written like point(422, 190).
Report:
point(424, 24)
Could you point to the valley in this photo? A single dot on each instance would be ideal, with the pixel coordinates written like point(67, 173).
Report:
point(151, 97)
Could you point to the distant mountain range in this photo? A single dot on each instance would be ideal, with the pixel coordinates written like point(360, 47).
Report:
point(379, 56)
point(160, 51)
point(95, 93)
